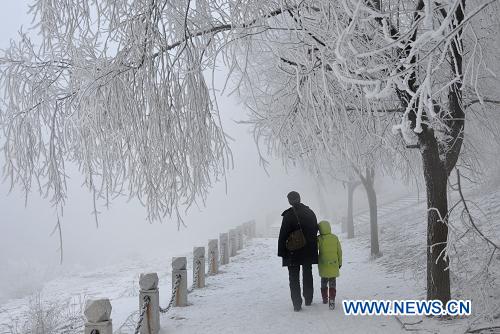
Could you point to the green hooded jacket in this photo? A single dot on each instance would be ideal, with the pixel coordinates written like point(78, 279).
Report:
point(330, 252)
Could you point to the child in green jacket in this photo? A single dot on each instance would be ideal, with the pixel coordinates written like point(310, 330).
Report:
point(330, 261)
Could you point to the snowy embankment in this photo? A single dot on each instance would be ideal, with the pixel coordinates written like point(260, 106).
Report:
point(251, 294)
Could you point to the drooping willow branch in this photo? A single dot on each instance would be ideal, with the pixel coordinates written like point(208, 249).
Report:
point(471, 219)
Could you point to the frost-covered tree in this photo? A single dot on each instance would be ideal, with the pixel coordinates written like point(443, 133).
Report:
point(119, 88)
point(334, 170)
point(426, 59)
point(307, 131)
point(418, 65)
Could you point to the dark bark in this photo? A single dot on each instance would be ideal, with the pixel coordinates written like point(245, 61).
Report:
point(368, 182)
point(437, 171)
point(351, 186)
point(439, 160)
point(372, 201)
point(436, 178)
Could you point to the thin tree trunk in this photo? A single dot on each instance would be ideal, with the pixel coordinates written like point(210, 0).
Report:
point(372, 202)
point(439, 161)
point(368, 182)
point(343, 224)
point(438, 165)
point(351, 186)
point(436, 179)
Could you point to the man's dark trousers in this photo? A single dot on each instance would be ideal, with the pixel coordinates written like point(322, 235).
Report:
point(307, 281)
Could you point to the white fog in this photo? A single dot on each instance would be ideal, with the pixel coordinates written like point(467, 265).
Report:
point(314, 97)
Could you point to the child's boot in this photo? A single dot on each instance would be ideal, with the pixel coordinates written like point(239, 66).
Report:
point(331, 299)
point(324, 294)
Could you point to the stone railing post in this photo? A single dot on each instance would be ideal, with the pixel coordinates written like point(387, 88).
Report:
point(343, 224)
point(149, 288)
point(199, 263)
point(233, 243)
point(98, 315)
point(253, 229)
point(213, 256)
point(179, 268)
point(239, 237)
point(224, 248)
point(246, 229)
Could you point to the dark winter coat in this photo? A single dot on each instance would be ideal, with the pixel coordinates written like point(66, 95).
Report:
point(309, 224)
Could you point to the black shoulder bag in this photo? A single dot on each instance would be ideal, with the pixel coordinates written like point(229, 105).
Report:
point(296, 240)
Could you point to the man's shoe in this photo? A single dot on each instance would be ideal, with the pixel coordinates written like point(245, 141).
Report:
point(331, 304)
point(297, 308)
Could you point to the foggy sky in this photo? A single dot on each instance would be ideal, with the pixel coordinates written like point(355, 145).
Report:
point(123, 228)
point(124, 231)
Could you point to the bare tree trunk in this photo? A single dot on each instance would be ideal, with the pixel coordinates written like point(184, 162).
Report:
point(368, 182)
point(372, 201)
point(436, 178)
point(351, 186)
point(438, 164)
point(439, 160)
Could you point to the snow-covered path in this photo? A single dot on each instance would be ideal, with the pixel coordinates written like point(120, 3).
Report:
point(252, 296)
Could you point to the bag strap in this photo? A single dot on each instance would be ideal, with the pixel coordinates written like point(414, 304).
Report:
point(298, 220)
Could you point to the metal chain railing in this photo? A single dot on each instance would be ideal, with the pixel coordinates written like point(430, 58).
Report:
point(196, 278)
point(175, 289)
point(145, 306)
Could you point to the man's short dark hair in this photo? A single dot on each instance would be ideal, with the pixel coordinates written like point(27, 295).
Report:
point(293, 197)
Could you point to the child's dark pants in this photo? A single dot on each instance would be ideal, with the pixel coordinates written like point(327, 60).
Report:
point(328, 289)
point(329, 282)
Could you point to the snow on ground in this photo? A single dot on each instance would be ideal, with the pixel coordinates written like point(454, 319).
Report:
point(118, 282)
point(251, 294)
point(403, 236)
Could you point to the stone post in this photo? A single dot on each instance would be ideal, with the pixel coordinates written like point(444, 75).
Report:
point(98, 315)
point(247, 229)
point(253, 229)
point(179, 268)
point(343, 226)
point(239, 237)
point(199, 260)
point(213, 256)
point(149, 288)
point(233, 243)
point(224, 248)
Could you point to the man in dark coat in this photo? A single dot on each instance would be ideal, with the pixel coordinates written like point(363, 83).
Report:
point(306, 256)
